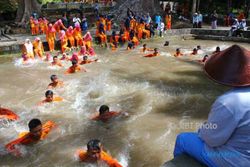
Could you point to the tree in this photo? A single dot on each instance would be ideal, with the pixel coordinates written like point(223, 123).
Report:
point(194, 6)
point(25, 9)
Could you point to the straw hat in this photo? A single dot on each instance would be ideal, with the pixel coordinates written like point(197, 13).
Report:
point(230, 67)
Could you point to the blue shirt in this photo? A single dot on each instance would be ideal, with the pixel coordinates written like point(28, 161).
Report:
point(227, 131)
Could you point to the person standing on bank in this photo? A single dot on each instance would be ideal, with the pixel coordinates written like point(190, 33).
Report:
point(223, 141)
point(200, 19)
point(214, 18)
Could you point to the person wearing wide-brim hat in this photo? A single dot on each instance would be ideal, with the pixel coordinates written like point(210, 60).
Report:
point(224, 140)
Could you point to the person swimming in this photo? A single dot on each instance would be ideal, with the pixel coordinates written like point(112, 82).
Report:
point(166, 43)
point(131, 45)
point(95, 154)
point(217, 50)
point(64, 57)
point(56, 62)
point(105, 114)
point(54, 82)
point(178, 53)
point(203, 60)
point(74, 68)
point(8, 114)
point(144, 48)
point(194, 52)
point(87, 61)
point(37, 132)
point(155, 53)
point(49, 98)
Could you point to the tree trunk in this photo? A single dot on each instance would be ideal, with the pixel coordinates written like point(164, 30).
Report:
point(25, 9)
point(194, 6)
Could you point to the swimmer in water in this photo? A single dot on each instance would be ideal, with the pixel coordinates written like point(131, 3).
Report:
point(87, 61)
point(217, 50)
point(74, 68)
point(144, 48)
point(95, 154)
point(195, 52)
point(37, 132)
point(203, 60)
point(49, 98)
point(56, 62)
point(156, 53)
point(166, 43)
point(105, 114)
point(178, 53)
point(55, 83)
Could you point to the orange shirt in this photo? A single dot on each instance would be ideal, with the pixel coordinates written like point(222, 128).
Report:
point(7, 114)
point(26, 138)
point(106, 116)
point(73, 69)
point(83, 155)
point(54, 85)
point(178, 54)
point(152, 55)
point(55, 99)
point(57, 64)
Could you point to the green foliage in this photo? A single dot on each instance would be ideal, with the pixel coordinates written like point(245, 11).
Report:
point(47, 1)
point(8, 6)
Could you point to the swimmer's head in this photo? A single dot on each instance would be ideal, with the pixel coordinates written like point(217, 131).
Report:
point(54, 78)
point(85, 57)
point(35, 128)
point(94, 148)
point(194, 51)
point(74, 62)
point(27, 41)
point(178, 50)
point(156, 50)
point(144, 45)
point(198, 47)
point(217, 49)
point(166, 43)
point(103, 109)
point(55, 58)
point(49, 95)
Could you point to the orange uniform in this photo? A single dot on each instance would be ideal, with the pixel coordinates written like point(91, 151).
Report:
point(88, 61)
point(55, 99)
point(73, 69)
point(152, 55)
point(83, 156)
point(8, 114)
point(32, 26)
point(55, 85)
point(106, 116)
point(70, 36)
point(38, 48)
point(78, 36)
point(178, 54)
point(26, 138)
point(51, 36)
point(168, 19)
point(109, 25)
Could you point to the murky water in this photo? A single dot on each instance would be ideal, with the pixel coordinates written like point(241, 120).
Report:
point(163, 96)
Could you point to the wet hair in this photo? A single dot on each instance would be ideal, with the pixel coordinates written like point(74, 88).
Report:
point(48, 92)
point(217, 48)
point(194, 49)
point(85, 57)
point(94, 144)
point(155, 49)
point(144, 45)
point(34, 123)
point(178, 49)
point(103, 109)
point(166, 43)
point(198, 47)
point(54, 57)
point(74, 62)
point(53, 77)
point(205, 56)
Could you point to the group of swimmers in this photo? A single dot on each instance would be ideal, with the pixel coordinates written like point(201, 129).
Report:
point(39, 131)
